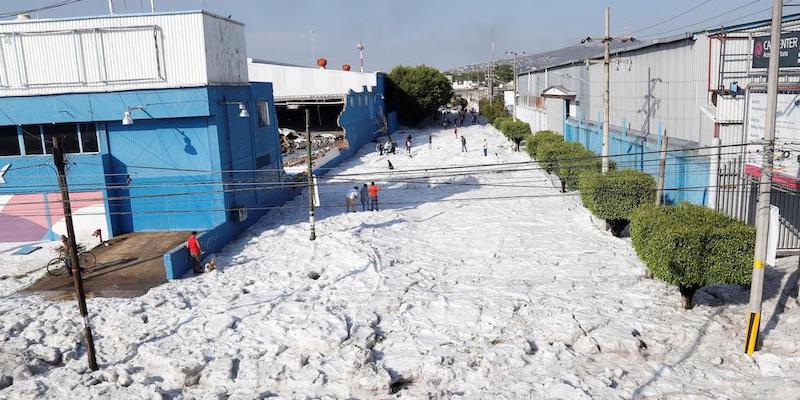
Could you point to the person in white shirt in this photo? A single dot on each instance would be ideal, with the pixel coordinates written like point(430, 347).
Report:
point(350, 200)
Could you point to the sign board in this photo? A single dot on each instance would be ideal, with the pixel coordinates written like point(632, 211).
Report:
point(789, 50)
point(787, 135)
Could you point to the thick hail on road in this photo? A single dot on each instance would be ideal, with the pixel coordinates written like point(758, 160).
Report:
point(476, 283)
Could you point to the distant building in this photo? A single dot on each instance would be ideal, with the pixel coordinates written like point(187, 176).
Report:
point(153, 109)
point(704, 89)
point(348, 105)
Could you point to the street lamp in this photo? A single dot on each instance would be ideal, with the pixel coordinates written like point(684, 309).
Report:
point(360, 47)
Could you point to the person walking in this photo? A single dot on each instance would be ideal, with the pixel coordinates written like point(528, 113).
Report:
point(363, 194)
point(373, 196)
point(485, 148)
point(455, 130)
point(379, 148)
point(463, 144)
point(391, 167)
point(350, 200)
point(408, 145)
point(387, 147)
point(430, 141)
point(195, 251)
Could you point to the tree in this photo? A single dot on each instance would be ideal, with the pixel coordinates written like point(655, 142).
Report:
point(416, 92)
point(504, 73)
point(459, 102)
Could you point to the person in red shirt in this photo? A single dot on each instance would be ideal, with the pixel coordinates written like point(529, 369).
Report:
point(195, 251)
point(373, 196)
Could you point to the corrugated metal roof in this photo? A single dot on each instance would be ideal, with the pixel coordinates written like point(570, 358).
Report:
point(80, 18)
point(638, 45)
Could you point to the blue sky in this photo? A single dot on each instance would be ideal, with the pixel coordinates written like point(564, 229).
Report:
point(443, 34)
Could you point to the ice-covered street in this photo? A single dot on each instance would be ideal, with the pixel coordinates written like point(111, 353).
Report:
point(475, 286)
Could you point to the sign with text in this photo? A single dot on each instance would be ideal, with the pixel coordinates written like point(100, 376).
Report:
point(789, 50)
point(787, 135)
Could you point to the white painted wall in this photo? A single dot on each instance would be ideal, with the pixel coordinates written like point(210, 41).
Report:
point(121, 52)
point(291, 81)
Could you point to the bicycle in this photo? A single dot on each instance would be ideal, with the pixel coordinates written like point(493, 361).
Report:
point(58, 265)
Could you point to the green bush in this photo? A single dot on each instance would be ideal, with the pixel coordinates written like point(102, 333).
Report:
point(492, 111)
point(539, 138)
point(549, 154)
point(577, 163)
point(692, 246)
point(516, 131)
point(498, 122)
point(614, 196)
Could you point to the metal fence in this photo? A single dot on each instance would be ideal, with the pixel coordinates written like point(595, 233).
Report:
point(687, 172)
point(737, 197)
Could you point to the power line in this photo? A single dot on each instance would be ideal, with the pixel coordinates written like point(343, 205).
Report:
point(705, 20)
point(38, 9)
point(674, 17)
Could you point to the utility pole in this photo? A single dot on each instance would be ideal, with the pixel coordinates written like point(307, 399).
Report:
point(152, 6)
point(491, 74)
point(765, 184)
point(606, 86)
point(58, 160)
point(515, 54)
point(310, 177)
point(662, 167)
point(649, 96)
point(606, 40)
point(111, 7)
point(360, 47)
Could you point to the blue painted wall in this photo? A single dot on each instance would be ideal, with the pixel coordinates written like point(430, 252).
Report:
point(686, 176)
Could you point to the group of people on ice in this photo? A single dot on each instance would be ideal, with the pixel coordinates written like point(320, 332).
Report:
point(367, 195)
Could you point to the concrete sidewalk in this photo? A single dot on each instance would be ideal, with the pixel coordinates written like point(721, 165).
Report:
point(129, 267)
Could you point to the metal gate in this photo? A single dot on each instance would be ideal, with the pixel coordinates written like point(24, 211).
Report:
point(737, 196)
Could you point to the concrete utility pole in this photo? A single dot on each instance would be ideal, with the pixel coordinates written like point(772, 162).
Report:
point(310, 177)
point(606, 40)
point(515, 54)
point(662, 167)
point(111, 7)
point(606, 95)
point(360, 47)
point(58, 160)
point(765, 184)
point(491, 74)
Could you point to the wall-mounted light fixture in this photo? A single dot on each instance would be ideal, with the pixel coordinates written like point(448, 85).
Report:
point(127, 118)
point(243, 113)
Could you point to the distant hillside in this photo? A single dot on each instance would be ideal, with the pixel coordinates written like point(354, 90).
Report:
point(542, 60)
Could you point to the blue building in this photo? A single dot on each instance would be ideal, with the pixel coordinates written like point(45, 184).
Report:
point(154, 112)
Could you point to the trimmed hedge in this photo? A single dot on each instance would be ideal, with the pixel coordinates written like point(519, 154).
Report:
point(616, 194)
point(492, 111)
point(582, 161)
point(692, 246)
point(541, 137)
point(516, 131)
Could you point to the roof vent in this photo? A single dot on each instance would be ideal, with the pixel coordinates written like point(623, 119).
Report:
point(23, 17)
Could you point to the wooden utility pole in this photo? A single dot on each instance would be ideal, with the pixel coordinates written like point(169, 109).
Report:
point(765, 184)
point(662, 167)
point(310, 177)
point(58, 160)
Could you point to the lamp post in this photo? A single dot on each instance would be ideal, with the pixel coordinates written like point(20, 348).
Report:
point(360, 47)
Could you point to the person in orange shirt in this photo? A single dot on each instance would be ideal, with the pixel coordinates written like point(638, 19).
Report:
point(373, 196)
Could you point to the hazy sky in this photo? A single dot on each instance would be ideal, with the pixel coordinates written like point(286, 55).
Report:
point(440, 33)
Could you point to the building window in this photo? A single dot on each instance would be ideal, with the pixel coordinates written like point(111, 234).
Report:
point(263, 113)
point(264, 160)
point(89, 138)
point(9, 141)
point(32, 139)
point(68, 133)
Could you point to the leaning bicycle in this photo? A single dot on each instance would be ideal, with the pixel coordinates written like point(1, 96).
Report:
point(58, 265)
